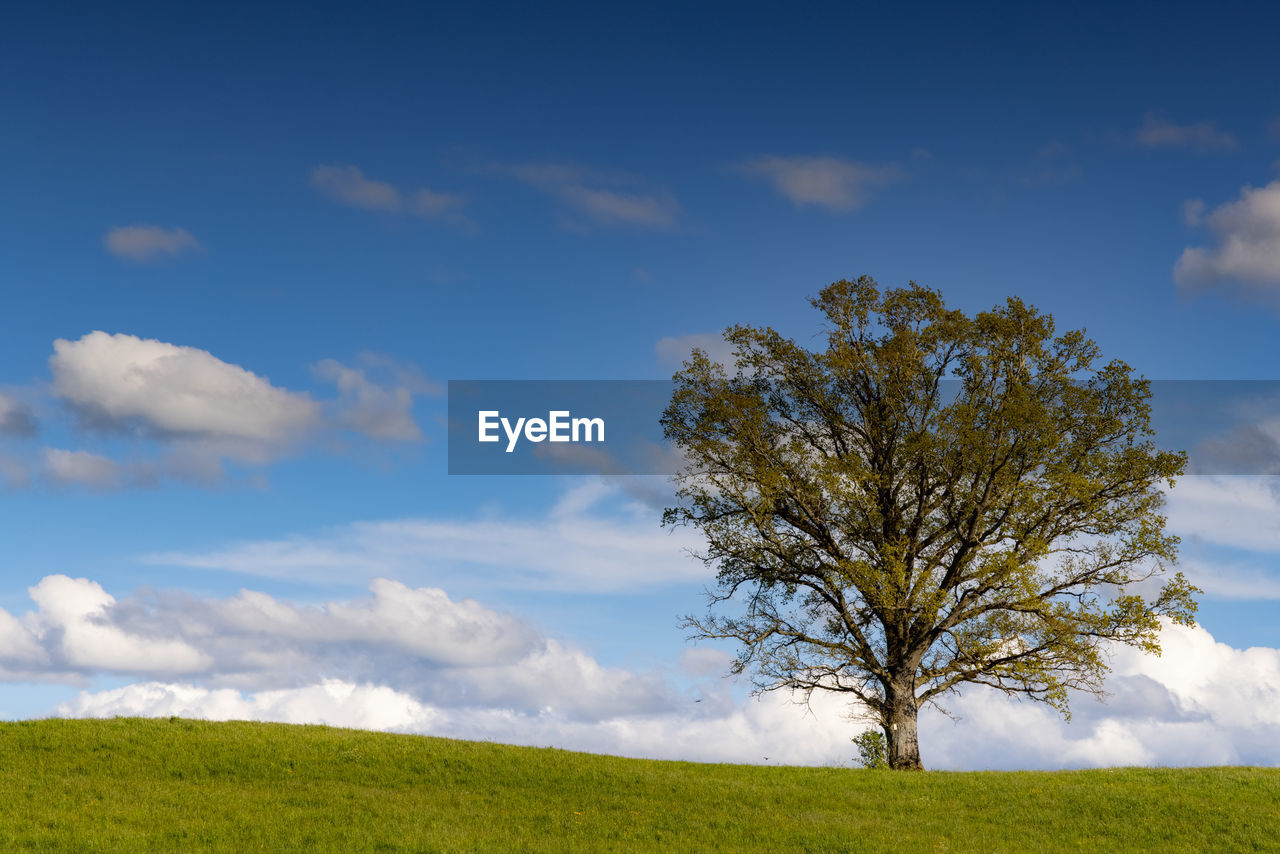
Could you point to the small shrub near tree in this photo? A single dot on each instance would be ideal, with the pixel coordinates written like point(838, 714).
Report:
point(872, 752)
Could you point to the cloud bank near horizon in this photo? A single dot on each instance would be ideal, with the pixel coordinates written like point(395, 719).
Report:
point(417, 661)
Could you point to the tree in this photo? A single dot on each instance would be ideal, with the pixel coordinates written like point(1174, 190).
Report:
point(932, 500)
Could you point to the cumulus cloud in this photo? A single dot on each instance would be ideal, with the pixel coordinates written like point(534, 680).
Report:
point(122, 380)
point(190, 413)
point(1201, 137)
point(196, 411)
point(828, 182)
point(1246, 243)
point(597, 198)
point(149, 242)
point(591, 540)
point(416, 660)
point(1202, 703)
point(348, 185)
point(72, 619)
point(16, 417)
point(448, 652)
point(252, 636)
point(331, 703)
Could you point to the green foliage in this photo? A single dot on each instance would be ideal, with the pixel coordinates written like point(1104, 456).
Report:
point(142, 786)
point(930, 500)
point(872, 751)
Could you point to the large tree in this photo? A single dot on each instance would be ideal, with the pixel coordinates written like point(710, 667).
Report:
point(931, 500)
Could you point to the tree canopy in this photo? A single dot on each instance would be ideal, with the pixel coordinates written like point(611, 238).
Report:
point(932, 500)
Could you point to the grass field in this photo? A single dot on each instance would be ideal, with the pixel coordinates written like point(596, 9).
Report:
point(178, 785)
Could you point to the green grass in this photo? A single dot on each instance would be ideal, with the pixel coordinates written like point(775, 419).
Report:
point(179, 785)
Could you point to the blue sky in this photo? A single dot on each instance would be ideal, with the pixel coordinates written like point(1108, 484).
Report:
point(319, 214)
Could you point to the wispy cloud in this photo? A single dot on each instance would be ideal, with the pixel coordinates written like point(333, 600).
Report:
point(1201, 137)
point(672, 351)
point(149, 242)
point(827, 182)
point(1246, 242)
point(595, 198)
point(348, 185)
point(596, 539)
point(1052, 165)
point(1234, 511)
point(1230, 581)
point(379, 410)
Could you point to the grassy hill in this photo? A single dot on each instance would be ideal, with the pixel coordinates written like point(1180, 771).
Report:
point(181, 785)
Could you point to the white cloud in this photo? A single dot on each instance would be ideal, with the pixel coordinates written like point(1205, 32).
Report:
point(1202, 137)
point(828, 182)
point(427, 203)
point(449, 652)
point(597, 197)
point(331, 702)
point(173, 390)
point(16, 417)
point(705, 661)
point(20, 648)
point(148, 242)
point(348, 185)
point(82, 468)
point(1202, 703)
point(1231, 581)
point(609, 207)
point(193, 413)
point(772, 730)
point(382, 411)
point(1235, 511)
point(416, 660)
point(673, 351)
point(72, 627)
point(571, 547)
point(1193, 212)
point(1246, 248)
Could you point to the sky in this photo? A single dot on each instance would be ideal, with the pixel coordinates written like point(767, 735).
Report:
point(245, 247)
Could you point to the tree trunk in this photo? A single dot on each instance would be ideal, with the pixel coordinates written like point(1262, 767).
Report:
point(900, 730)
